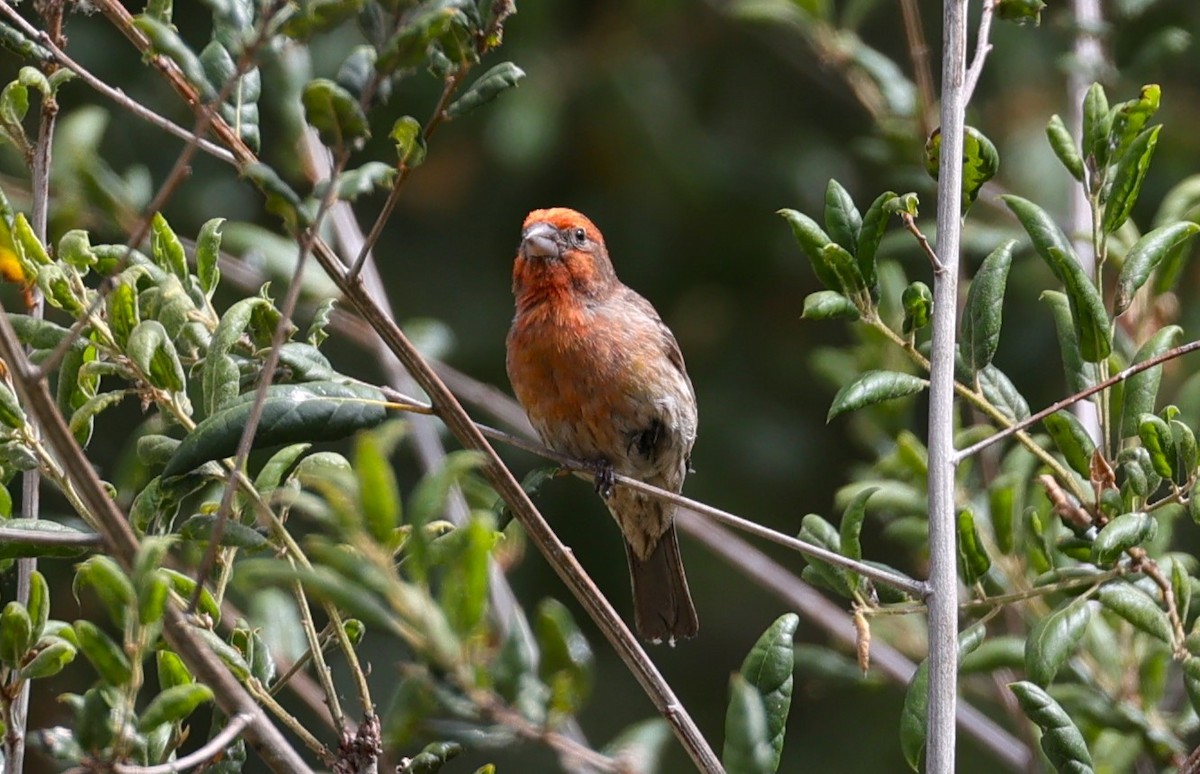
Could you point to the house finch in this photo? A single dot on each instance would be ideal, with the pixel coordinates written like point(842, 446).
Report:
point(602, 380)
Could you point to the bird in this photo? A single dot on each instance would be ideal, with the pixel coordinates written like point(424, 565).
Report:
point(602, 380)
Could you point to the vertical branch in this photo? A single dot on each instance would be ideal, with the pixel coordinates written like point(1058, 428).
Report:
point(1088, 63)
point(943, 579)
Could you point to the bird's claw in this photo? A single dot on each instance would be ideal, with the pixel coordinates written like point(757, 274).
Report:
point(605, 476)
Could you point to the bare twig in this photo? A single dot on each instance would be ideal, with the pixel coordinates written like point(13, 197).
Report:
point(43, 538)
point(983, 47)
point(211, 749)
point(910, 223)
point(943, 578)
point(1120, 376)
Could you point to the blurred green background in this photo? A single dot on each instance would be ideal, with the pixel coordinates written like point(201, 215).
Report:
point(680, 128)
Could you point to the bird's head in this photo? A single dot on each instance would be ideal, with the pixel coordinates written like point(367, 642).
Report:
point(562, 254)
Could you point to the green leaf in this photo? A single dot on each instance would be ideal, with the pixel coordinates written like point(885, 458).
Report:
point(813, 240)
point(123, 314)
point(173, 705)
point(1141, 389)
point(842, 219)
point(768, 669)
point(874, 224)
point(152, 350)
point(1063, 145)
point(16, 634)
point(980, 162)
point(1089, 319)
point(748, 747)
point(816, 530)
point(1087, 310)
point(292, 413)
point(1002, 508)
point(335, 114)
point(16, 548)
point(1186, 453)
point(465, 582)
point(1128, 179)
point(166, 249)
point(486, 88)
point(917, 301)
point(1120, 534)
point(1155, 434)
point(106, 656)
point(972, 556)
point(11, 413)
point(208, 254)
point(874, 387)
point(50, 659)
point(1145, 256)
point(364, 180)
point(1129, 118)
point(75, 249)
point(844, 267)
point(828, 305)
point(220, 377)
point(82, 418)
point(111, 584)
point(408, 47)
point(281, 200)
point(1054, 639)
point(1078, 374)
point(171, 670)
point(851, 529)
point(983, 315)
point(1135, 606)
point(1097, 123)
point(1072, 439)
point(39, 604)
point(567, 662)
point(1061, 740)
point(1044, 233)
point(379, 494)
point(165, 40)
point(914, 717)
point(410, 141)
point(431, 759)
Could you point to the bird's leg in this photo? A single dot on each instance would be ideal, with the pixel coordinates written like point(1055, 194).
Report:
point(604, 475)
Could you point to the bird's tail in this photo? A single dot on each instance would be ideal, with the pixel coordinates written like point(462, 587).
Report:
point(662, 604)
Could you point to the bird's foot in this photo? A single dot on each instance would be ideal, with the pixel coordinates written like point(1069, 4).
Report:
point(604, 475)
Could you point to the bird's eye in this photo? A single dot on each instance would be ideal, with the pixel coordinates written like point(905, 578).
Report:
point(579, 235)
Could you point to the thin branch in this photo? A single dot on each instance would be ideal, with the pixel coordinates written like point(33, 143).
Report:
point(983, 47)
point(910, 223)
point(895, 580)
point(1120, 376)
point(116, 95)
point(211, 749)
point(44, 538)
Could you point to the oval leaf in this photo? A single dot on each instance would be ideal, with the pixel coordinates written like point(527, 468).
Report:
point(874, 387)
point(1120, 534)
point(768, 668)
point(985, 301)
point(1061, 740)
point(1145, 255)
point(1054, 639)
point(292, 413)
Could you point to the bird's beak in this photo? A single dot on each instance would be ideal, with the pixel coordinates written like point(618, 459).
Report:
point(540, 240)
